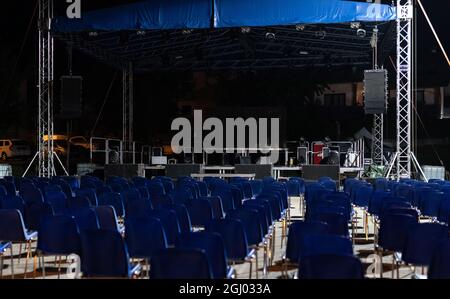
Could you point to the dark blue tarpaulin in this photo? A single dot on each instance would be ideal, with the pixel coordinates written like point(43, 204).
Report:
point(195, 14)
point(236, 13)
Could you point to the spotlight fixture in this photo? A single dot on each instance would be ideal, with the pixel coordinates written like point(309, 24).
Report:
point(245, 30)
point(301, 52)
point(270, 35)
point(355, 25)
point(186, 31)
point(93, 34)
point(299, 27)
point(320, 34)
point(140, 32)
point(361, 33)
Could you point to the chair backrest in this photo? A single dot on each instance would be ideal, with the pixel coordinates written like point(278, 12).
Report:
point(31, 194)
point(200, 211)
point(214, 248)
point(107, 218)
point(330, 267)
point(85, 218)
point(144, 236)
point(325, 244)
point(184, 220)
point(169, 221)
point(9, 186)
point(78, 202)
point(297, 231)
point(180, 263)
point(113, 199)
point(440, 263)
point(33, 213)
point(258, 206)
point(12, 227)
point(57, 200)
point(104, 254)
point(233, 235)
point(430, 205)
point(90, 194)
point(13, 203)
point(338, 222)
point(251, 220)
point(135, 205)
point(216, 206)
point(58, 235)
point(421, 242)
point(394, 229)
point(227, 198)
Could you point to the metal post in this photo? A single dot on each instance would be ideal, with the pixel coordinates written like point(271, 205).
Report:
point(45, 92)
point(404, 72)
point(377, 141)
point(127, 108)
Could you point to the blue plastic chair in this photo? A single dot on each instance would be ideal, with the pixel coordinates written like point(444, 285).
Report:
point(169, 221)
point(330, 267)
point(112, 199)
point(422, 241)
point(58, 201)
point(430, 205)
point(440, 263)
point(394, 229)
point(200, 211)
point(216, 206)
point(214, 248)
point(135, 205)
point(184, 220)
point(58, 236)
point(227, 199)
point(85, 218)
point(107, 218)
point(13, 203)
point(178, 263)
point(78, 202)
point(89, 193)
point(104, 254)
point(9, 186)
point(297, 231)
point(325, 244)
point(338, 222)
point(144, 236)
point(12, 229)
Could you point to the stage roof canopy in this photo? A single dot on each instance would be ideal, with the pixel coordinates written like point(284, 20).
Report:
point(230, 34)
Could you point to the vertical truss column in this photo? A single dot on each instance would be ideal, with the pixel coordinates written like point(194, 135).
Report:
point(377, 142)
point(45, 90)
point(127, 108)
point(404, 71)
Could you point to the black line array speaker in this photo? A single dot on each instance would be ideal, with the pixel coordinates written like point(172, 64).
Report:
point(314, 172)
point(71, 94)
point(260, 171)
point(177, 170)
point(375, 91)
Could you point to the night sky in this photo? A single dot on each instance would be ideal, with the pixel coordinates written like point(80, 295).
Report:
point(157, 94)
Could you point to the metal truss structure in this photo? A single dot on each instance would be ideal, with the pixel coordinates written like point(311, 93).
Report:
point(127, 106)
point(45, 152)
point(235, 48)
point(377, 141)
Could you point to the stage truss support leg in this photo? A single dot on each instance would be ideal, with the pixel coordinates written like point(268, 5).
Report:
point(404, 90)
point(377, 142)
point(45, 105)
point(127, 109)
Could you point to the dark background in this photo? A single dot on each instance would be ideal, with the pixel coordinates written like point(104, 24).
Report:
point(157, 94)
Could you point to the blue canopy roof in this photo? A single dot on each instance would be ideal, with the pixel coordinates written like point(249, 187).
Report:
point(197, 14)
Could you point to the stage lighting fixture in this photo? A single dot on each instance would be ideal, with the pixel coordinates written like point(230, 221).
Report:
point(361, 33)
point(245, 30)
point(140, 32)
point(355, 25)
point(186, 31)
point(270, 35)
point(93, 34)
point(303, 52)
point(320, 34)
point(299, 27)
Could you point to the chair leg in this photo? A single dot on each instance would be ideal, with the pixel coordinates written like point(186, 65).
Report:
point(59, 267)
point(34, 265)
point(1, 266)
point(251, 269)
point(43, 265)
point(381, 261)
point(273, 242)
point(12, 262)
point(366, 227)
point(28, 249)
point(256, 262)
point(20, 252)
point(393, 265)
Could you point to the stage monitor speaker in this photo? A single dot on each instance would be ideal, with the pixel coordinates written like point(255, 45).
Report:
point(177, 170)
point(260, 171)
point(375, 91)
point(71, 94)
point(125, 170)
point(314, 172)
